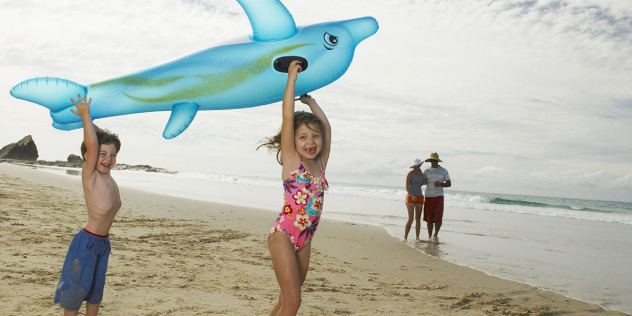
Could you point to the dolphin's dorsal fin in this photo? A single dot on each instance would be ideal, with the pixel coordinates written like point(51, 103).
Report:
point(181, 117)
point(270, 20)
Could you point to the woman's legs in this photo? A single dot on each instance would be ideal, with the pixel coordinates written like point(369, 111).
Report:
point(290, 268)
point(410, 221)
point(418, 209)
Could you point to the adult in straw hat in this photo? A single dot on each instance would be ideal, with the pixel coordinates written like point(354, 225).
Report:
point(415, 198)
point(437, 178)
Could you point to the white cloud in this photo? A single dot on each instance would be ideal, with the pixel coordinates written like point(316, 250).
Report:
point(487, 170)
point(624, 181)
point(569, 178)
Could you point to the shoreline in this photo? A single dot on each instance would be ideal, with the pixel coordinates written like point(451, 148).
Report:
point(350, 262)
point(516, 204)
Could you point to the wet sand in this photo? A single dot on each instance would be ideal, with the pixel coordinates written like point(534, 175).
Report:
point(174, 256)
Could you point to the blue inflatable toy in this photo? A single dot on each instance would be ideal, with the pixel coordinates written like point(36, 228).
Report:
point(248, 72)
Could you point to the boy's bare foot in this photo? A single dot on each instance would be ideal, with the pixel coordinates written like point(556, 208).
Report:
point(435, 239)
point(417, 240)
point(404, 240)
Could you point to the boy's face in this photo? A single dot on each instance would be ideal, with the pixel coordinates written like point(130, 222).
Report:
point(107, 158)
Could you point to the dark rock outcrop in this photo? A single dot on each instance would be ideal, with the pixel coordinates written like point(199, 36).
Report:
point(25, 149)
point(122, 166)
point(75, 160)
point(25, 152)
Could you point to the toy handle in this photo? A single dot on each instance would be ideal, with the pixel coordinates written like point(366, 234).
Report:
point(299, 97)
point(282, 64)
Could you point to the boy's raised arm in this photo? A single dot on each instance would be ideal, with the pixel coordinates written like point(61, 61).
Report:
point(89, 135)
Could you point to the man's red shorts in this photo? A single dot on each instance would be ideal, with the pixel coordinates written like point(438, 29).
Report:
point(433, 209)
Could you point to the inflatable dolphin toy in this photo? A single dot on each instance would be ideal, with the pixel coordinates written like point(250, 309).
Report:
point(248, 72)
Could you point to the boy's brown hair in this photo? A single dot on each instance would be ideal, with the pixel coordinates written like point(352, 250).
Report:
point(104, 137)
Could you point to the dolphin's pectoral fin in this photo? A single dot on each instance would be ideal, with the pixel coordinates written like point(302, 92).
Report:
point(181, 117)
point(68, 126)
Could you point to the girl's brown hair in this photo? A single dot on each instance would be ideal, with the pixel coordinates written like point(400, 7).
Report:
point(300, 118)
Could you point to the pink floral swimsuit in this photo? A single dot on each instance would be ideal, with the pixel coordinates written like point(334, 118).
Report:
point(304, 196)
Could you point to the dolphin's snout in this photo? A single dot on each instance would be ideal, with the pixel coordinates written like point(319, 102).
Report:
point(361, 28)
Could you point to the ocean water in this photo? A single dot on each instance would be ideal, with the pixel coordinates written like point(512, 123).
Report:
point(578, 248)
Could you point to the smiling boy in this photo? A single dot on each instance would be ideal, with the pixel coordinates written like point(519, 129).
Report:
point(83, 274)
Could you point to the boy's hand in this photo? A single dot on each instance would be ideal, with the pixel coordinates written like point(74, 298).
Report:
point(83, 107)
point(293, 70)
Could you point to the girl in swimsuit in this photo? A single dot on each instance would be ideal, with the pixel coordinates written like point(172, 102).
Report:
point(302, 148)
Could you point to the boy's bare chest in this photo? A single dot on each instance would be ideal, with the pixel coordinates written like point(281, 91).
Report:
point(104, 194)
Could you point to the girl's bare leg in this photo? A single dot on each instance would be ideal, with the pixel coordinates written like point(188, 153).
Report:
point(410, 222)
point(290, 269)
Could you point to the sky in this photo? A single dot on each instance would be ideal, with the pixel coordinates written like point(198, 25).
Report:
point(518, 97)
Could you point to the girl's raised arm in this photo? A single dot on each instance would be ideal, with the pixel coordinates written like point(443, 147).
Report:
point(324, 152)
point(288, 150)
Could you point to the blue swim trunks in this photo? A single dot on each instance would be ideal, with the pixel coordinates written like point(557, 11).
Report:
point(83, 274)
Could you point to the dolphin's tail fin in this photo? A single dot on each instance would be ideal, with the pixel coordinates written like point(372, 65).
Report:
point(52, 93)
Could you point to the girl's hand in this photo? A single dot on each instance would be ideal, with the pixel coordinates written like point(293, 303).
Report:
point(293, 70)
point(83, 107)
point(307, 99)
point(414, 198)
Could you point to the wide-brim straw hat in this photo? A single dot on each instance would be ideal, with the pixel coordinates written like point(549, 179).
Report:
point(434, 156)
point(416, 162)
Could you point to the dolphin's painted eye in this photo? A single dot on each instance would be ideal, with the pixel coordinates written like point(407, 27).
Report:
point(331, 39)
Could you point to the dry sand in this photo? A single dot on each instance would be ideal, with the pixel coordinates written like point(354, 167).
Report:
point(173, 256)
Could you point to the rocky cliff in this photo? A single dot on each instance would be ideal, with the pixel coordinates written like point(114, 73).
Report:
point(25, 149)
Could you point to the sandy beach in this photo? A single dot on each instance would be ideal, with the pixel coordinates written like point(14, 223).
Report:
point(174, 256)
